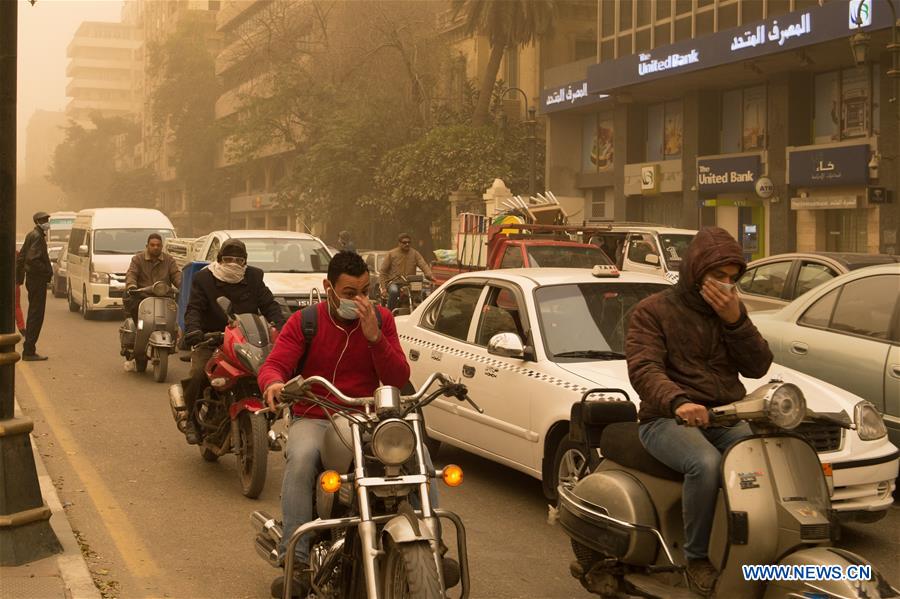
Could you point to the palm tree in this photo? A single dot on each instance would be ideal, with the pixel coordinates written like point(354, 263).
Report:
point(506, 24)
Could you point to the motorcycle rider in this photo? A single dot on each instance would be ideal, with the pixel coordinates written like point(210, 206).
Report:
point(33, 268)
point(148, 267)
point(345, 243)
point(400, 261)
point(355, 354)
point(229, 276)
point(685, 348)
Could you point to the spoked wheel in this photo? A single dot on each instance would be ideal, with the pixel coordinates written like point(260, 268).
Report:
point(160, 366)
point(410, 572)
point(572, 461)
point(253, 453)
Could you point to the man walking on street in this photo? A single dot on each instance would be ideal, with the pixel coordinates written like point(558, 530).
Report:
point(33, 268)
point(400, 261)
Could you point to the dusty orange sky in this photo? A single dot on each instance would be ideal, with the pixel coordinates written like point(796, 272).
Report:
point(45, 31)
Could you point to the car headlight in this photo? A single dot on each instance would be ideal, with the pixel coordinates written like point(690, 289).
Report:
point(869, 422)
point(99, 277)
point(393, 442)
point(786, 407)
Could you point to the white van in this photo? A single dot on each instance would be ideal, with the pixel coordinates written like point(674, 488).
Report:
point(101, 245)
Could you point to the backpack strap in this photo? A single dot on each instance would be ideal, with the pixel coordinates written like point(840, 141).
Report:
point(309, 326)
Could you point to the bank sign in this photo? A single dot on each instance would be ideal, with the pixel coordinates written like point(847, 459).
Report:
point(568, 96)
point(843, 165)
point(728, 174)
point(833, 20)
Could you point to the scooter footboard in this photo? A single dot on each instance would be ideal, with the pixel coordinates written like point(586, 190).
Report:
point(829, 571)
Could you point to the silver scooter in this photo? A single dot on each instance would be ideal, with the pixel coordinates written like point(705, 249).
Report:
point(625, 518)
point(377, 534)
point(152, 338)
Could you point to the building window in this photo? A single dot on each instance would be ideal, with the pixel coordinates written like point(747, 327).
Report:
point(597, 143)
point(608, 15)
point(585, 47)
point(512, 68)
point(601, 203)
point(844, 104)
point(663, 10)
point(665, 131)
point(743, 120)
point(625, 14)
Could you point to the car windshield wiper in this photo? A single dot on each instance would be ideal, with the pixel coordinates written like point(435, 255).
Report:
point(291, 270)
point(116, 252)
point(591, 353)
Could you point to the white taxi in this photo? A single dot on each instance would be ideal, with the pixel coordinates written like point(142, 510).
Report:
point(530, 342)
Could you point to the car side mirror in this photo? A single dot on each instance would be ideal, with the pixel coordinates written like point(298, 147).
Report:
point(508, 345)
point(225, 304)
point(652, 259)
point(83, 250)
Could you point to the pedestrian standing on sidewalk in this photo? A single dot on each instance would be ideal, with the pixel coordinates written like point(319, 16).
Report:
point(34, 270)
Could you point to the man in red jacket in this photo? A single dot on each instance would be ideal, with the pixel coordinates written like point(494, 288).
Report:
point(351, 351)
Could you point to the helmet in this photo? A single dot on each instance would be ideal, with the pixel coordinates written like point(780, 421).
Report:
point(233, 247)
point(40, 216)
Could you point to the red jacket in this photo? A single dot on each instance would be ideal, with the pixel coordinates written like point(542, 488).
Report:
point(358, 372)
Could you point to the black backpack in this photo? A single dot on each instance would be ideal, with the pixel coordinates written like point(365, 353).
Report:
point(309, 325)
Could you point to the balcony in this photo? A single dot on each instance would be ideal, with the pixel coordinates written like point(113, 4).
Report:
point(124, 66)
point(103, 84)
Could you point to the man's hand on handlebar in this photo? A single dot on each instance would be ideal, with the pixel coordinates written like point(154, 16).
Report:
point(692, 414)
point(272, 394)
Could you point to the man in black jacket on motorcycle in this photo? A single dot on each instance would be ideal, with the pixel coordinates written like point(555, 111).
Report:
point(229, 276)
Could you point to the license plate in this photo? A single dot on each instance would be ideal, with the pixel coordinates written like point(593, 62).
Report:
point(415, 286)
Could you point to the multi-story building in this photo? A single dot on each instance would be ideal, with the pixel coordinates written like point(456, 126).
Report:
point(753, 115)
point(45, 131)
point(105, 68)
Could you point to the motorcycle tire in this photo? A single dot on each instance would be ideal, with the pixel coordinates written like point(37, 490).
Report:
point(253, 444)
point(140, 363)
point(410, 572)
point(160, 366)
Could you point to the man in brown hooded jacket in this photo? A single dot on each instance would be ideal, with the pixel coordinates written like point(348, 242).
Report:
point(685, 349)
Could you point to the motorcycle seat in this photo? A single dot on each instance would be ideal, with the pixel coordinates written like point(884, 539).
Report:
point(621, 444)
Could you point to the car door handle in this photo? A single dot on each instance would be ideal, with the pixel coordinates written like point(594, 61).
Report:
point(798, 348)
point(468, 371)
point(895, 370)
point(414, 355)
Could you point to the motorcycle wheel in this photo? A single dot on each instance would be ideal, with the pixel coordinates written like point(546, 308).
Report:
point(410, 572)
point(160, 366)
point(208, 455)
point(254, 453)
point(140, 363)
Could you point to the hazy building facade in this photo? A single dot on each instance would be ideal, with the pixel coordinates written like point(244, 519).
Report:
point(747, 114)
point(45, 131)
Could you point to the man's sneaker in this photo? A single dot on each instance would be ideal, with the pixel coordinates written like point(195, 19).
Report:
point(190, 432)
point(701, 575)
point(300, 584)
point(33, 358)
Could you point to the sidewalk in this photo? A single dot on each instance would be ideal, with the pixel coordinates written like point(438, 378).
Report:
point(64, 575)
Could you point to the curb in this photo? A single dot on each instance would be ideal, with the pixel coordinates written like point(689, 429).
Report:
point(72, 568)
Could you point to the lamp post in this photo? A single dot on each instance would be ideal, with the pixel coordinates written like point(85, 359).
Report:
point(531, 121)
point(859, 43)
point(25, 533)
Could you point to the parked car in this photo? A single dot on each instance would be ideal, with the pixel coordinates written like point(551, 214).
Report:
point(59, 282)
point(846, 332)
point(563, 333)
point(645, 247)
point(775, 281)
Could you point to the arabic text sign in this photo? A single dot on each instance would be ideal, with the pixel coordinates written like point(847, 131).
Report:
point(845, 165)
point(568, 96)
point(825, 203)
point(728, 174)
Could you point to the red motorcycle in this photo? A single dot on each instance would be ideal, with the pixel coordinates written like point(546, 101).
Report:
point(226, 411)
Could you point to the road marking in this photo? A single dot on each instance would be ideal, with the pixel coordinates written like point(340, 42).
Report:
point(123, 534)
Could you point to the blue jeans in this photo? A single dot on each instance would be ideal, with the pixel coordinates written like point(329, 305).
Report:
point(303, 464)
point(696, 453)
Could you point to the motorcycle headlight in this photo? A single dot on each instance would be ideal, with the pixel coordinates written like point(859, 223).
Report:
point(869, 422)
point(393, 442)
point(786, 406)
point(99, 277)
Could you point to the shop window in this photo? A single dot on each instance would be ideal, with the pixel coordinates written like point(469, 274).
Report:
point(608, 13)
point(845, 230)
point(683, 29)
point(846, 104)
point(767, 280)
point(624, 44)
point(751, 10)
point(728, 16)
point(665, 131)
point(656, 115)
point(826, 107)
point(663, 9)
point(743, 120)
point(674, 130)
point(642, 40)
point(866, 307)
point(732, 105)
point(625, 14)
point(663, 35)
point(597, 143)
point(855, 102)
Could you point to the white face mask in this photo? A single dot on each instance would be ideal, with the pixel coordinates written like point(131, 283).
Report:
point(45, 226)
point(228, 273)
point(723, 287)
point(346, 309)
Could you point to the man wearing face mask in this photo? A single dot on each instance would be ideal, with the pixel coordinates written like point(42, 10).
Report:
point(34, 270)
point(229, 276)
point(685, 348)
point(351, 350)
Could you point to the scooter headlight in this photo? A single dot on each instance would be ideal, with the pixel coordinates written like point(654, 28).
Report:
point(786, 406)
point(869, 422)
point(393, 442)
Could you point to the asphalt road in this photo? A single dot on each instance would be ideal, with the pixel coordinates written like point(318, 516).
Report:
point(158, 521)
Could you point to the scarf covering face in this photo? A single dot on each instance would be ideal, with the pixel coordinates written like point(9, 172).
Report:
point(228, 273)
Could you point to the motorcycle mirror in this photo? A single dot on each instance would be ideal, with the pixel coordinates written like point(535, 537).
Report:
point(225, 304)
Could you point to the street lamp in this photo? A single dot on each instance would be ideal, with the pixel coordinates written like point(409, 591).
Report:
point(532, 137)
point(859, 41)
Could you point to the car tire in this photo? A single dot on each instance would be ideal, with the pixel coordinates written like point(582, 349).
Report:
point(73, 307)
point(85, 310)
point(571, 461)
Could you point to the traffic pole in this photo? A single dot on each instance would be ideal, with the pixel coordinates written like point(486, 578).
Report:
point(25, 532)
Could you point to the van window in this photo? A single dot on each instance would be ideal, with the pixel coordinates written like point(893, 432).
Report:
point(125, 241)
point(76, 240)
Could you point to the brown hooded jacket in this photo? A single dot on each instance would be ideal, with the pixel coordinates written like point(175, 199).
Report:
point(679, 350)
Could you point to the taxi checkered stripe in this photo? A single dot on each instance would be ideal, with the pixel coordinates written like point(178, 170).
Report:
point(489, 361)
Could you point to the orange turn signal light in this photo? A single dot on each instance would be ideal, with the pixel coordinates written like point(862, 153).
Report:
point(330, 481)
point(452, 475)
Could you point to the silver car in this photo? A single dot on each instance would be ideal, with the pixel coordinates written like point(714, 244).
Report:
point(775, 281)
point(846, 332)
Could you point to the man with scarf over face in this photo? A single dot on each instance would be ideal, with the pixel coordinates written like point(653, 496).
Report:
point(685, 348)
point(229, 276)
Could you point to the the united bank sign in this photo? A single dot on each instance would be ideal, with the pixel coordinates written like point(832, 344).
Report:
point(728, 174)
